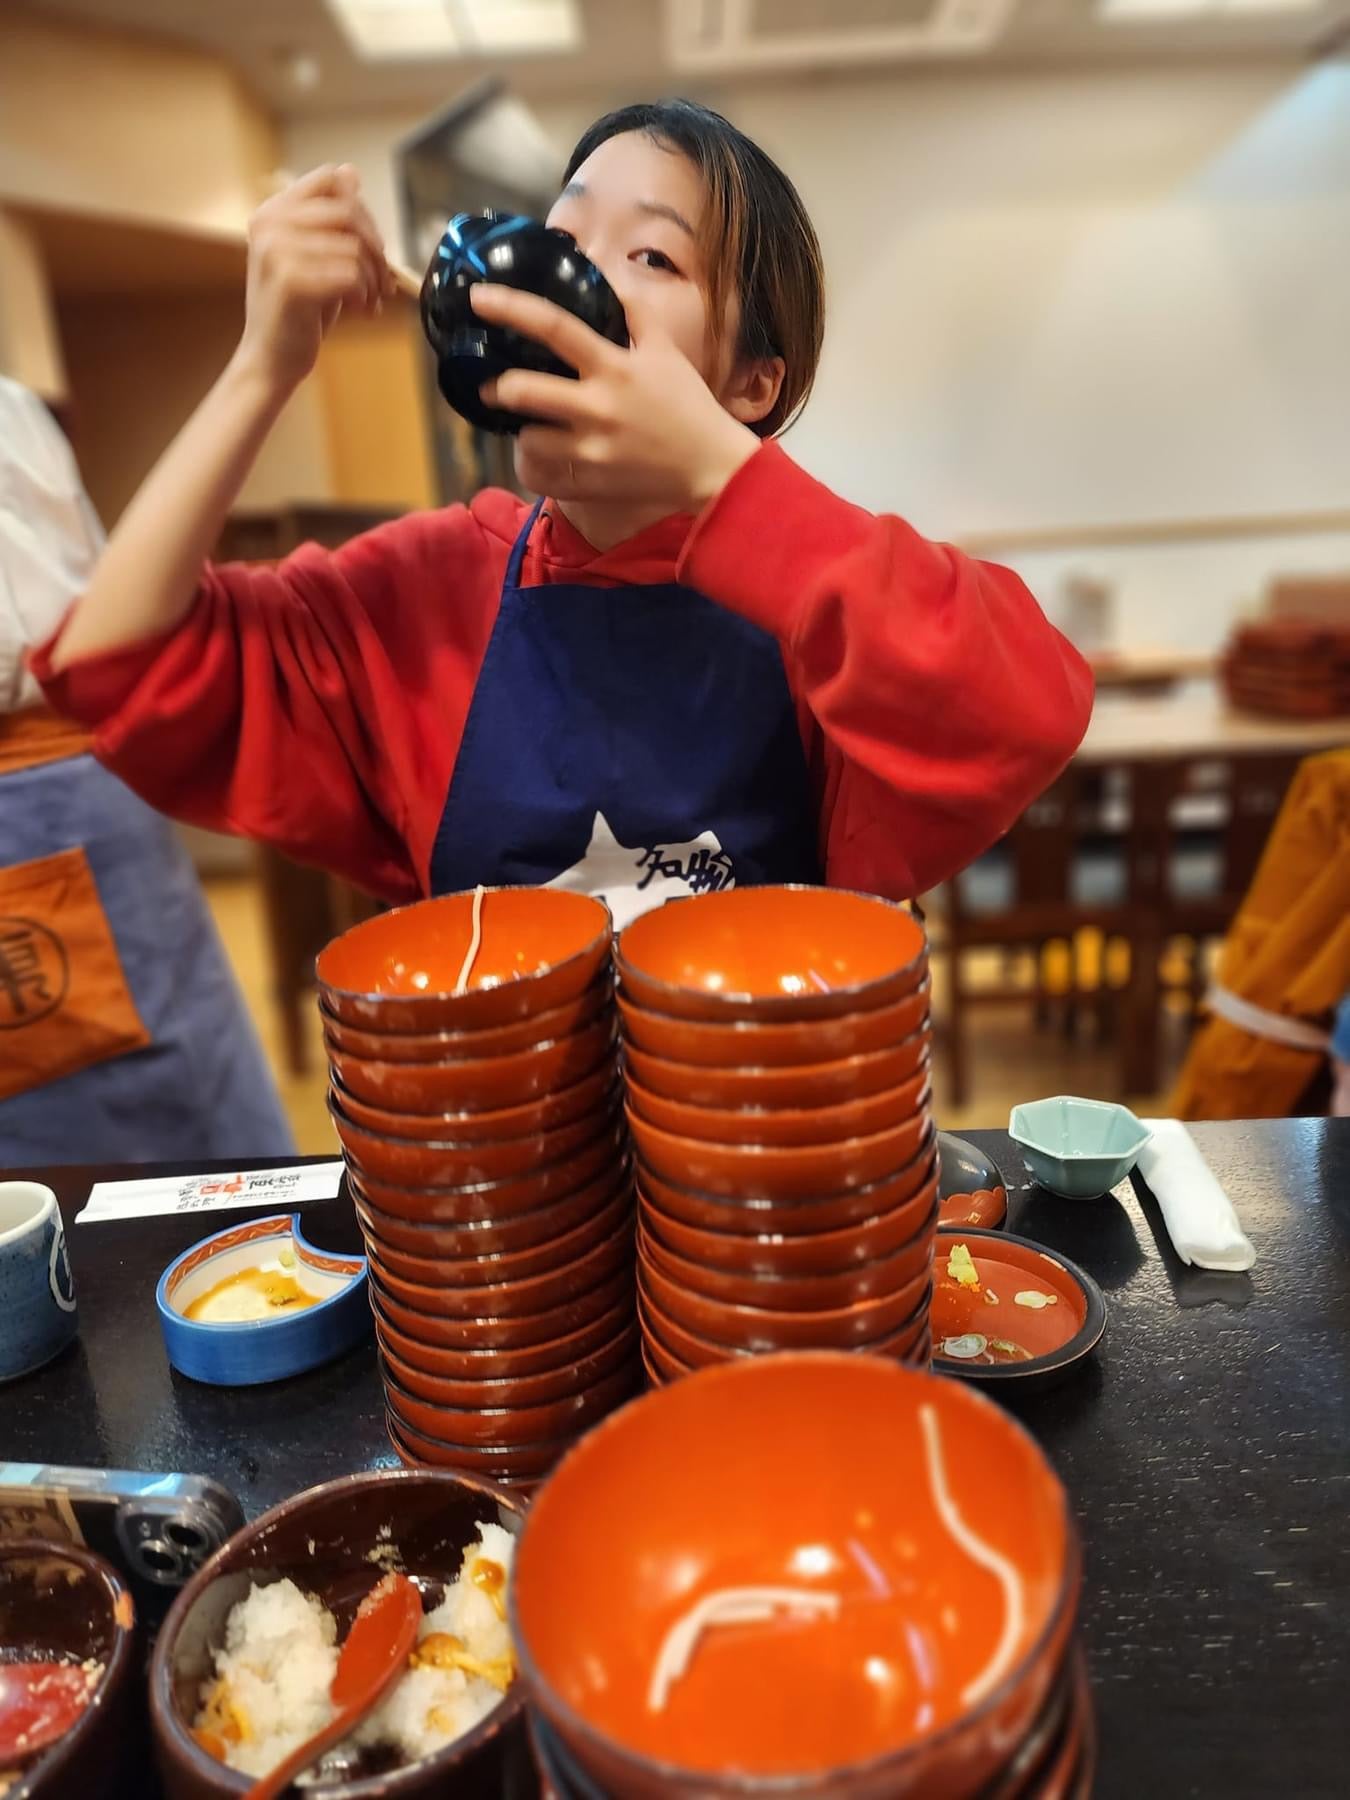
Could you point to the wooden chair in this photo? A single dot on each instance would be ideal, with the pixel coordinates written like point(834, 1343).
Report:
point(1144, 852)
point(1085, 855)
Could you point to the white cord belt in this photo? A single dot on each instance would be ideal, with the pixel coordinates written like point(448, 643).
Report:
point(1293, 1033)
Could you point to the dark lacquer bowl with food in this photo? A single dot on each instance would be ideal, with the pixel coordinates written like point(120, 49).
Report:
point(518, 252)
point(1011, 1312)
point(67, 1664)
point(241, 1666)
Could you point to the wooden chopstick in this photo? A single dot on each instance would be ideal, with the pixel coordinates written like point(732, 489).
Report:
point(405, 280)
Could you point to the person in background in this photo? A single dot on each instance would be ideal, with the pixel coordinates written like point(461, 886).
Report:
point(122, 1035)
point(691, 666)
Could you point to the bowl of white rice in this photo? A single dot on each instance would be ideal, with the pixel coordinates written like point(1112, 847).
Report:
point(243, 1664)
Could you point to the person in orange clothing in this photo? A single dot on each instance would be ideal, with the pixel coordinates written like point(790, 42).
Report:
point(1263, 1051)
point(691, 666)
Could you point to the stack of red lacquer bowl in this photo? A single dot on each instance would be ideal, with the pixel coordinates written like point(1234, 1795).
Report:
point(777, 1052)
point(475, 1088)
point(818, 1576)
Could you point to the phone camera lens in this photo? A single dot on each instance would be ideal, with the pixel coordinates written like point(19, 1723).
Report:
point(159, 1560)
point(186, 1535)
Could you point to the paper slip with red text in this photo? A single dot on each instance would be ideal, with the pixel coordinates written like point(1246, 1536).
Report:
point(208, 1193)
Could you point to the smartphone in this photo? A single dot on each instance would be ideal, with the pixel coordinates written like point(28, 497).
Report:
point(157, 1529)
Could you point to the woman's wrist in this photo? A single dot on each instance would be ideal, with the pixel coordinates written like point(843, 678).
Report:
point(723, 457)
point(252, 379)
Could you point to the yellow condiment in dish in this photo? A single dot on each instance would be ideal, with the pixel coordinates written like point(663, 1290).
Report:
point(247, 1295)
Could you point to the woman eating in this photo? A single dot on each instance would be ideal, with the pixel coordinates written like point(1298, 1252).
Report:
point(690, 666)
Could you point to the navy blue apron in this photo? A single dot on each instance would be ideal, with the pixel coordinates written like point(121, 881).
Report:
point(637, 743)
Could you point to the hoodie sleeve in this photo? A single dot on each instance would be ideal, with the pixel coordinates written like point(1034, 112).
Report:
point(316, 705)
point(943, 699)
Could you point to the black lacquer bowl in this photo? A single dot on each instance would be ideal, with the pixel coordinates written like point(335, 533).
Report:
point(522, 253)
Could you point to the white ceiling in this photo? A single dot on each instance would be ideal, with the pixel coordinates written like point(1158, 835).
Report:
point(624, 49)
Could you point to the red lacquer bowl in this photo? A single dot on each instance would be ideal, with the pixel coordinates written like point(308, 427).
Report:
point(491, 1085)
point(770, 954)
point(500, 1331)
point(548, 1419)
point(603, 1156)
point(510, 1465)
point(475, 1046)
point(694, 1352)
point(756, 1215)
point(779, 1172)
point(487, 1237)
point(740, 1045)
point(910, 1345)
point(541, 947)
point(833, 1476)
point(562, 1107)
point(508, 1391)
point(774, 1254)
point(518, 1270)
point(808, 1084)
point(783, 1125)
point(436, 1165)
point(506, 1300)
point(862, 1325)
point(402, 1329)
point(801, 1292)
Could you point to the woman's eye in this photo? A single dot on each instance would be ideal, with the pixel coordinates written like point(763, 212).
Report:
point(657, 259)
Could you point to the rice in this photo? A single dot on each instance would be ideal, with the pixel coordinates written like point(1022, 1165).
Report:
point(274, 1672)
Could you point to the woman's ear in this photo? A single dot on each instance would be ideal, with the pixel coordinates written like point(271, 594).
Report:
point(752, 392)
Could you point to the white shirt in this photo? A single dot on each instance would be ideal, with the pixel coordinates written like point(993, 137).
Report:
point(50, 537)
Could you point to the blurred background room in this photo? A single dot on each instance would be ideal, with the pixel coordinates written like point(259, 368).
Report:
point(1089, 315)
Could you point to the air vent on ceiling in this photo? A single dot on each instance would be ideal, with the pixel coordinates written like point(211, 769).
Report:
point(730, 36)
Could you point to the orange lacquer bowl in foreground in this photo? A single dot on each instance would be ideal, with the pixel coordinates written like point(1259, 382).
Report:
point(839, 1476)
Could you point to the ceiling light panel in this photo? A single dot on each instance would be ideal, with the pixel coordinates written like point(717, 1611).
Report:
point(527, 27)
point(394, 30)
point(1129, 12)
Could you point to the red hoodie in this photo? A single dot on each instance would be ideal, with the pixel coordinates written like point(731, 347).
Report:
point(318, 705)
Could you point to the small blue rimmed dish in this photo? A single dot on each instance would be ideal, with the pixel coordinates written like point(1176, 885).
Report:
point(268, 1304)
point(1078, 1149)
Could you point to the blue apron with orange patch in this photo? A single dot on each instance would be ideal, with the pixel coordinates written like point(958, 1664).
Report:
point(123, 1037)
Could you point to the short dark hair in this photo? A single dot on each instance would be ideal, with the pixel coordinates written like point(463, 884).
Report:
point(756, 231)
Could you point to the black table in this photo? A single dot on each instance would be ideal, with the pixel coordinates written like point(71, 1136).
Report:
point(1207, 1449)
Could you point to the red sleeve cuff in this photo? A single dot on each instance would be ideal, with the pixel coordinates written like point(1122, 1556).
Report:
point(757, 547)
point(93, 689)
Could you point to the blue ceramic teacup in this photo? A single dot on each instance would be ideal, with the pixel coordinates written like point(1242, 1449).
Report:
point(37, 1294)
